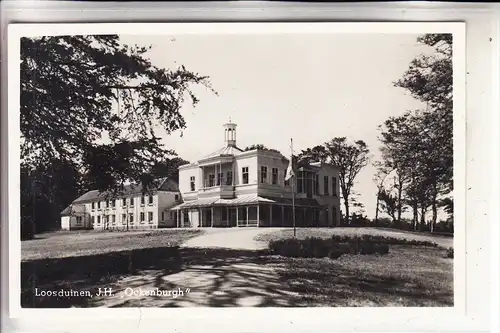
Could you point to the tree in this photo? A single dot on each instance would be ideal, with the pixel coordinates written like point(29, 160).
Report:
point(350, 158)
point(400, 147)
point(76, 90)
point(315, 154)
point(45, 192)
point(169, 167)
point(260, 147)
point(388, 203)
point(379, 180)
point(430, 80)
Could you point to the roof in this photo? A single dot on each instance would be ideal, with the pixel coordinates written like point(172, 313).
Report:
point(164, 184)
point(224, 151)
point(245, 200)
point(73, 210)
point(66, 211)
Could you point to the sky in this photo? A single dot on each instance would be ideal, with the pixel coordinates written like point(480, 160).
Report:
point(308, 87)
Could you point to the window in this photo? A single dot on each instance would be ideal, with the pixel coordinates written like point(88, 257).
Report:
point(150, 217)
point(163, 216)
point(300, 187)
point(78, 220)
point(229, 178)
point(186, 217)
point(124, 218)
point(263, 174)
point(113, 203)
point(124, 202)
point(176, 197)
point(244, 172)
point(150, 200)
point(220, 175)
point(334, 186)
point(142, 217)
point(98, 220)
point(316, 184)
point(113, 219)
point(93, 205)
point(98, 205)
point(131, 218)
point(142, 200)
point(191, 180)
point(224, 215)
point(131, 202)
point(107, 203)
point(325, 185)
point(275, 176)
point(93, 220)
point(211, 180)
point(287, 182)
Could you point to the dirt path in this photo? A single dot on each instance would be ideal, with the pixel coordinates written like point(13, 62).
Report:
point(234, 239)
point(208, 277)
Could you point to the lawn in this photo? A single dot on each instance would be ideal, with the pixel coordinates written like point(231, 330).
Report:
point(445, 242)
point(72, 244)
point(407, 276)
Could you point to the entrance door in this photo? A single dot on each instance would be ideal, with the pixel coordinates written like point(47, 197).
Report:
point(195, 218)
point(232, 222)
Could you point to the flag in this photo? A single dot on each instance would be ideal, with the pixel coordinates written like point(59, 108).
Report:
point(289, 170)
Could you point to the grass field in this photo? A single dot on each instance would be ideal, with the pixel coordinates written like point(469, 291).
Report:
point(407, 276)
point(84, 243)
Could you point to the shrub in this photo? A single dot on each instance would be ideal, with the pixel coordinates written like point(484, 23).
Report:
point(367, 248)
point(449, 253)
point(313, 247)
point(335, 253)
point(286, 247)
point(382, 248)
point(381, 240)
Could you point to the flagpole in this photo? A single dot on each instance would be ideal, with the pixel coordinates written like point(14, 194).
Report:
point(293, 190)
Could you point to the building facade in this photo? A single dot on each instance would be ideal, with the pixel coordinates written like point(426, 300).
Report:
point(232, 187)
point(129, 210)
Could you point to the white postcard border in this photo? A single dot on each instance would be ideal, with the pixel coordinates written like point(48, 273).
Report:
point(263, 319)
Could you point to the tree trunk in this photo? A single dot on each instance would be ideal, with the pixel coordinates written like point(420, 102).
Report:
point(376, 210)
point(422, 217)
point(434, 208)
point(346, 205)
point(400, 194)
point(415, 215)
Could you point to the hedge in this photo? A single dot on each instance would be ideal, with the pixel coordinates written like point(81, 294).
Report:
point(313, 247)
point(338, 245)
point(381, 239)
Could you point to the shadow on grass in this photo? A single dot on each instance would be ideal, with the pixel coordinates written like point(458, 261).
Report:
point(218, 278)
point(87, 274)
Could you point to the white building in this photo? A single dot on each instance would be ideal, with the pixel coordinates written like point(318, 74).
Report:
point(128, 210)
point(232, 187)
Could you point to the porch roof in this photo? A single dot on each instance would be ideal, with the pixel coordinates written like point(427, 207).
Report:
point(245, 200)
